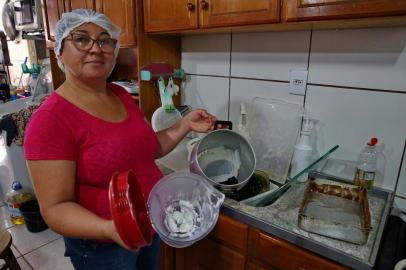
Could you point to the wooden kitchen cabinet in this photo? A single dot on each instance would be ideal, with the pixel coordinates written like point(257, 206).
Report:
point(175, 15)
point(121, 12)
point(225, 248)
point(234, 245)
point(274, 253)
point(313, 10)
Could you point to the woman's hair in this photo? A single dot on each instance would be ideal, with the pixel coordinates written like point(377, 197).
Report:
point(76, 18)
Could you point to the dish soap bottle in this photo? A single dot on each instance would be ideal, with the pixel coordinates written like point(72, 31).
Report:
point(302, 156)
point(16, 196)
point(366, 166)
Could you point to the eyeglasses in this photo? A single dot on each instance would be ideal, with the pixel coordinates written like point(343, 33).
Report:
point(85, 43)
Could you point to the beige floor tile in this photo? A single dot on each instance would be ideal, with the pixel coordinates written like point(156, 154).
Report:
point(50, 257)
point(26, 241)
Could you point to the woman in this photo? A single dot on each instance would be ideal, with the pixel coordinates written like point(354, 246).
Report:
point(83, 133)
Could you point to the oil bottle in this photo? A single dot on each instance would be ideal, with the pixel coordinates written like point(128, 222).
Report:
point(367, 165)
point(14, 198)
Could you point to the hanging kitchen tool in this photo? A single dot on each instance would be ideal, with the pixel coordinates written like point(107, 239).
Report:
point(166, 115)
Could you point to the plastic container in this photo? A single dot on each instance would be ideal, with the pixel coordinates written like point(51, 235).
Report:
point(303, 153)
point(274, 127)
point(16, 196)
point(182, 208)
point(367, 165)
point(32, 216)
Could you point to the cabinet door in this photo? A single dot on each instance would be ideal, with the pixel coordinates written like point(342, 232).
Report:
point(279, 254)
point(75, 4)
point(122, 13)
point(53, 11)
point(170, 15)
point(302, 10)
point(210, 255)
point(217, 13)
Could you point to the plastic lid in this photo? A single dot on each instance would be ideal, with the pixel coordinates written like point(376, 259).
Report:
point(129, 210)
point(373, 141)
point(16, 185)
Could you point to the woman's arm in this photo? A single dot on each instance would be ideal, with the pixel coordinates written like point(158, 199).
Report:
point(197, 120)
point(54, 183)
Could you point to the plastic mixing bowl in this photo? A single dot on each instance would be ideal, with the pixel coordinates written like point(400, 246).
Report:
point(183, 208)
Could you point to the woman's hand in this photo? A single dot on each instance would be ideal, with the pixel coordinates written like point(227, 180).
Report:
point(199, 120)
point(111, 233)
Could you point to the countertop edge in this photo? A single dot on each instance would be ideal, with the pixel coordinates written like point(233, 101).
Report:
point(309, 244)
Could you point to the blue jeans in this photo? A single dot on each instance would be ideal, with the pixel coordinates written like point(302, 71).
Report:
point(90, 255)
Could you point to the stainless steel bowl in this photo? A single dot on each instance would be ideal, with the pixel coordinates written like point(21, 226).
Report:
point(231, 140)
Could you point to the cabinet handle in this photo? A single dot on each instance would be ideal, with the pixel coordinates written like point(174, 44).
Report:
point(190, 6)
point(204, 4)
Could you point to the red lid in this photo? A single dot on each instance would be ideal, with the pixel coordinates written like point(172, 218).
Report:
point(373, 141)
point(129, 210)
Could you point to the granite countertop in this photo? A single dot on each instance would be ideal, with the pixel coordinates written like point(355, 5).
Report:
point(281, 219)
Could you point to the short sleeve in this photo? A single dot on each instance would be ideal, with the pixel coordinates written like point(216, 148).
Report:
point(48, 138)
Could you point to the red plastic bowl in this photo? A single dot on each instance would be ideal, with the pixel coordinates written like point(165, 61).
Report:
point(129, 210)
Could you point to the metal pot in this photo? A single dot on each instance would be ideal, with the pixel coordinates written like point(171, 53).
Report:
point(230, 140)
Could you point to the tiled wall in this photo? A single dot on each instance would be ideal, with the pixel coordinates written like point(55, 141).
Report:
point(356, 84)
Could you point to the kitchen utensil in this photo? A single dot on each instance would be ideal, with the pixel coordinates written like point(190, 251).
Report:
point(336, 210)
point(274, 195)
point(162, 119)
point(181, 207)
point(274, 127)
point(232, 141)
point(184, 208)
point(129, 211)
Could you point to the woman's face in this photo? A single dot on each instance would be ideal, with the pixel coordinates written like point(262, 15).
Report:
point(88, 62)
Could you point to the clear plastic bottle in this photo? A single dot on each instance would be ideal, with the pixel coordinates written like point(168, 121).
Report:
point(367, 165)
point(14, 198)
point(303, 154)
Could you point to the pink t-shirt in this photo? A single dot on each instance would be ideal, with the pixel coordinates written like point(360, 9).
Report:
point(59, 130)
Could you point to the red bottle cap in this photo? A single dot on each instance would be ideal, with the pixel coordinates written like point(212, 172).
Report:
point(373, 141)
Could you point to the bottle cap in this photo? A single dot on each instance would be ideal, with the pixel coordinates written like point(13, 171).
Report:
point(16, 185)
point(373, 141)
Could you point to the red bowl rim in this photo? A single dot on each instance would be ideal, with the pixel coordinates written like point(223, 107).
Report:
point(126, 223)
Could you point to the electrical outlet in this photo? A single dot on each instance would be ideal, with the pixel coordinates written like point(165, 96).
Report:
point(298, 82)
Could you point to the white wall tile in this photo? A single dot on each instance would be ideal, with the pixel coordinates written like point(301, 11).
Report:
point(210, 93)
point(401, 188)
point(370, 58)
point(350, 117)
point(400, 203)
point(206, 54)
point(269, 55)
point(243, 91)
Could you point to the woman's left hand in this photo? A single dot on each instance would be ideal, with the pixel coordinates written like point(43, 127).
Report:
point(199, 120)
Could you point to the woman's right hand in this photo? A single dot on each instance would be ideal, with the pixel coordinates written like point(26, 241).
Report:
point(111, 233)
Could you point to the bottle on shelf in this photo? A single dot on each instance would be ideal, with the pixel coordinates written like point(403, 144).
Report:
point(16, 196)
point(367, 165)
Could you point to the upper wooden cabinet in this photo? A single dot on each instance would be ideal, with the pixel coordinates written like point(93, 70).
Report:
point(175, 15)
point(306, 10)
point(121, 12)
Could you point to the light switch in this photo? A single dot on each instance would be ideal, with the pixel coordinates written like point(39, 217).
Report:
point(298, 81)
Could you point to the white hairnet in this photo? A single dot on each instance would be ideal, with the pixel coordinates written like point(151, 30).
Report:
point(76, 18)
